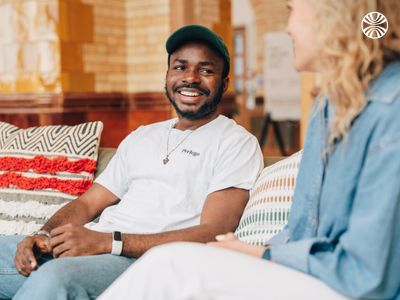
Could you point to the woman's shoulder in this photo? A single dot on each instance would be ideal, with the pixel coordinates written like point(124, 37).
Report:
point(385, 88)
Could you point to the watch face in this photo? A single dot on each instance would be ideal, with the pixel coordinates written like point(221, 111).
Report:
point(117, 236)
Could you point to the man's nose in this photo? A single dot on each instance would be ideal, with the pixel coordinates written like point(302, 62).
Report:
point(191, 76)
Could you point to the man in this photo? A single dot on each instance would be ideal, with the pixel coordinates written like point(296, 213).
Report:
point(185, 179)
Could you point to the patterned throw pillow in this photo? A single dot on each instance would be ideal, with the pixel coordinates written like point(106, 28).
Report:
point(268, 208)
point(42, 169)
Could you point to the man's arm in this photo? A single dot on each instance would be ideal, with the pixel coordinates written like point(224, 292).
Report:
point(83, 209)
point(79, 211)
point(221, 213)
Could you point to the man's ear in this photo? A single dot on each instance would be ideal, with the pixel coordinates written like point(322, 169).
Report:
point(166, 73)
point(168, 64)
point(226, 83)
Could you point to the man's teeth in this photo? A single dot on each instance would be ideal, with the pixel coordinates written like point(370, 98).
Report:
point(189, 94)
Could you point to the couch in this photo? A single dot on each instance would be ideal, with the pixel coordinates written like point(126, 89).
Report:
point(43, 168)
point(267, 210)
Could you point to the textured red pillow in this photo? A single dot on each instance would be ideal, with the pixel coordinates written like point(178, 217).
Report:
point(42, 169)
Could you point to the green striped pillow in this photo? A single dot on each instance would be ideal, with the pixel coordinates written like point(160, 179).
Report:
point(268, 208)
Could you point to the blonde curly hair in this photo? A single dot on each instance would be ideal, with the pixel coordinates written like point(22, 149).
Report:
point(352, 60)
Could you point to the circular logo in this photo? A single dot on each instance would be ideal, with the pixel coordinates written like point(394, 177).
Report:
point(374, 25)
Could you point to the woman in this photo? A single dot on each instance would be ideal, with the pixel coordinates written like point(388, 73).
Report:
point(344, 227)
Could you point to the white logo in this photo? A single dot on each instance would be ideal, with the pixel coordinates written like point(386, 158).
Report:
point(374, 25)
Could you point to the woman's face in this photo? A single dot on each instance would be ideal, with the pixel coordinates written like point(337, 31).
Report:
point(300, 28)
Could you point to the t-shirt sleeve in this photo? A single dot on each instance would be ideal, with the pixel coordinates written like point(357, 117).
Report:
point(114, 177)
point(239, 163)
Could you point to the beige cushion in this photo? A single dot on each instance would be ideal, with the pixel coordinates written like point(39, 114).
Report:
point(105, 155)
point(268, 208)
point(42, 169)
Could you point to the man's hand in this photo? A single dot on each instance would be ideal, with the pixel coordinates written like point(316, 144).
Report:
point(76, 240)
point(230, 241)
point(28, 251)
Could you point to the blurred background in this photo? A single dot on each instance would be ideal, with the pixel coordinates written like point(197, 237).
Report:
point(73, 61)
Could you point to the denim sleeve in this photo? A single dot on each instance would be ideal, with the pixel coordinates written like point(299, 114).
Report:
point(365, 261)
point(281, 238)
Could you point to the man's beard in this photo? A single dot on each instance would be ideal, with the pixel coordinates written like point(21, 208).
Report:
point(207, 109)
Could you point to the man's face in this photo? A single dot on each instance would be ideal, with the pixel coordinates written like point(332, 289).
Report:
point(194, 83)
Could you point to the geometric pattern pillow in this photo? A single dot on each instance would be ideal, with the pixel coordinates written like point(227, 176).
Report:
point(268, 208)
point(42, 169)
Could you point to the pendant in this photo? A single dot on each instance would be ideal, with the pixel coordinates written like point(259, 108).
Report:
point(165, 160)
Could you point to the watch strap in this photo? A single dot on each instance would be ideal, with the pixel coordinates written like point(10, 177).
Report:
point(116, 247)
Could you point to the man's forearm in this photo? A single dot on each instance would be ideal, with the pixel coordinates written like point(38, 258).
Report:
point(75, 212)
point(136, 245)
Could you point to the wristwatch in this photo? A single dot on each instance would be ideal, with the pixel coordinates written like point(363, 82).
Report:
point(116, 248)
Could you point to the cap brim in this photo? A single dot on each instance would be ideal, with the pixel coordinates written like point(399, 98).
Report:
point(189, 33)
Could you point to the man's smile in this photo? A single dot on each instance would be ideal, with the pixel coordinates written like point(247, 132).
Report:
point(190, 92)
point(190, 95)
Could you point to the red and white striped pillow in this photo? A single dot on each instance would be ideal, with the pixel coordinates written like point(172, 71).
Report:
point(42, 169)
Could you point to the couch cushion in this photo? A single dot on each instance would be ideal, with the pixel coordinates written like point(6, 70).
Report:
point(42, 169)
point(268, 208)
point(105, 155)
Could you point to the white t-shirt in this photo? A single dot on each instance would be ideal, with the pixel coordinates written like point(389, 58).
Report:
point(157, 197)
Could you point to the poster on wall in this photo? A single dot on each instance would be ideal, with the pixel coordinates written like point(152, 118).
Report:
point(281, 80)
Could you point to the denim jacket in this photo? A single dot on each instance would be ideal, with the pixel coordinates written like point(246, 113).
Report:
point(344, 226)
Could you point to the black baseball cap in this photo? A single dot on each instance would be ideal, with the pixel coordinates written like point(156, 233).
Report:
point(199, 33)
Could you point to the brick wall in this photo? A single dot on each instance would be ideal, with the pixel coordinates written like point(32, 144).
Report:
point(147, 30)
point(29, 46)
point(63, 45)
point(105, 55)
point(95, 45)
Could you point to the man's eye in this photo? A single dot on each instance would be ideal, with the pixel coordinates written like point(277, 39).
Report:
point(179, 68)
point(207, 71)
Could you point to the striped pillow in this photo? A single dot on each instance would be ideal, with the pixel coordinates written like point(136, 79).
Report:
point(5, 131)
point(268, 208)
point(42, 169)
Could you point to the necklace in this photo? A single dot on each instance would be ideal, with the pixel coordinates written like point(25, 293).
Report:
point(166, 159)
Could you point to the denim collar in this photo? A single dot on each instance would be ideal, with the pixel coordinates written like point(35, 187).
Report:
point(386, 86)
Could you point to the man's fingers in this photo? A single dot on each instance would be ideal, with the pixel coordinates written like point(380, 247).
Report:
point(23, 271)
point(18, 265)
point(60, 230)
point(60, 249)
point(57, 240)
point(43, 245)
point(25, 259)
point(22, 264)
point(66, 254)
point(30, 260)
